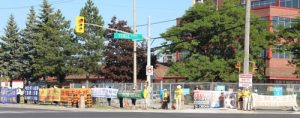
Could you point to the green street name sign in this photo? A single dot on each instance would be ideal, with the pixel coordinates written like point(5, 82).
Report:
point(135, 37)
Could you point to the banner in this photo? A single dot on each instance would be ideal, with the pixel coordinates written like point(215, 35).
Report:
point(50, 94)
point(131, 94)
point(271, 101)
point(210, 99)
point(31, 93)
point(8, 95)
point(104, 92)
point(65, 93)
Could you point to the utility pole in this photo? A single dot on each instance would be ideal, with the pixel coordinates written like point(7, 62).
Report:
point(247, 35)
point(148, 50)
point(134, 46)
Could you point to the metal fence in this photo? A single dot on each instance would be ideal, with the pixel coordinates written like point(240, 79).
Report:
point(260, 88)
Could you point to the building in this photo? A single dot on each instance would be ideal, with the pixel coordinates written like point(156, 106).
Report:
point(278, 12)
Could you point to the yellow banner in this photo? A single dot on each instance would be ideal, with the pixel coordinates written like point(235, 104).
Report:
point(65, 93)
point(50, 94)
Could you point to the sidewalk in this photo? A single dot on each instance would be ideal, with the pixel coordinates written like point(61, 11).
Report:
point(203, 111)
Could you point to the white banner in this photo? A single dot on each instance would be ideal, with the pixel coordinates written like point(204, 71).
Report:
point(274, 101)
point(104, 92)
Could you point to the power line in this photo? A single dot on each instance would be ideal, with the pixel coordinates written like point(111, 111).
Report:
point(159, 22)
point(23, 7)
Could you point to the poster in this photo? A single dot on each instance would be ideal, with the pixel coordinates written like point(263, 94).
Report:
point(278, 91)
point(186, 91)
point(31, 93)
point(104, 92)
point(8, 95)
point(210, 99)
point(66, 93)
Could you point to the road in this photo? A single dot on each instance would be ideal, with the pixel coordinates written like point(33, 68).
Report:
point(38, 113)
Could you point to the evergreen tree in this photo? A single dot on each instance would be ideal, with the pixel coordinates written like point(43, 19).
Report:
point(54, 45)
point(28, 40)
point(92, 41)
point(12, 49)
point(118, 55)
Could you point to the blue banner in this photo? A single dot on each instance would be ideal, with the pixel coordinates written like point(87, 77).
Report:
point(8, 95)
point(31, 93)
point(278, 90)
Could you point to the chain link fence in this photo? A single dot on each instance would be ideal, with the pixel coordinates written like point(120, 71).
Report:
point(156, 88)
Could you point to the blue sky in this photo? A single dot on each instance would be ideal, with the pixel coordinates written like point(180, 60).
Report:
point(158, 10)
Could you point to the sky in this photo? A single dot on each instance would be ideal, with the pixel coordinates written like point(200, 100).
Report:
point(158, 10)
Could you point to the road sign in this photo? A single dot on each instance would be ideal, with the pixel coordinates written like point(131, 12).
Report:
point(136, 37)
point(149, 70)
point(245, 80)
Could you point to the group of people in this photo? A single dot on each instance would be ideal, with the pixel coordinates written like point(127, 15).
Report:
point(244, 99)
point(178, 94)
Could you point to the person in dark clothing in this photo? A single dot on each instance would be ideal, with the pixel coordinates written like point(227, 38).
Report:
point(133, 100)
point(221, 100)
point(166, 99)
point(109, 100)
point(121, 102)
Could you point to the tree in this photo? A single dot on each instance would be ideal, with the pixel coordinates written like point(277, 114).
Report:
point(12, 51)
point(92, 41)
point(291, 36)
point(28, 38)
point(214, 39)
point(118, 55)
point(54, 45)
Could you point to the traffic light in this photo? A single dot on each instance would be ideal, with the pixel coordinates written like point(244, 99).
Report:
point(238, 66)
point(79, 27)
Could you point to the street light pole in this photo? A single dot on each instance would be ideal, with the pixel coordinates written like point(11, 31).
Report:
point(134, 45)
point(247, 35)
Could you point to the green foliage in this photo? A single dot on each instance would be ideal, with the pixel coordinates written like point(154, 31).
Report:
point(13, 47)
point(54, 45)
point(92, 41)
point(292, 38)
point(215, 39)
point(118, 55)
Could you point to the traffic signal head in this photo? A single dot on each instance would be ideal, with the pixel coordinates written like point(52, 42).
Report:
point(79, 27)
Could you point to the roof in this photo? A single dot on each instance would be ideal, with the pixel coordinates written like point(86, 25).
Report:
point(160, 72)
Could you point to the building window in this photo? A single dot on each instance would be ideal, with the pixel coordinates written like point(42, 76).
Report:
point(290, 3)
point(280, 52)
point(263, 3)
point(283, 21)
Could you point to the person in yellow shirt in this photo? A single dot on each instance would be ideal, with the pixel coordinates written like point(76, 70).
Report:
point(145, 95)
point(239, 100)
point(246, 99)
point(178, 96)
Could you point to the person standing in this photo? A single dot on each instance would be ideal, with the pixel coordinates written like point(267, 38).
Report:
point(109, 99)
point(166, 99)
point(133, 100)
point(178, 96)
point(145, 95)
point(222, 100)
point(19, 92)
point(246, 99)
point(239, 100)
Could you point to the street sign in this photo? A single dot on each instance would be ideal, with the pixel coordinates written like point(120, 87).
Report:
point(245, 80)
point(149, 70)
point(134, 37)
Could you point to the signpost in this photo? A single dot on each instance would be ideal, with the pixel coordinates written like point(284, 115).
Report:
point(245, 80)
point(134, 37)
point(149, 70)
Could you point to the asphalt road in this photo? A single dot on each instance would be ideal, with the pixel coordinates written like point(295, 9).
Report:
point(36, 113)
